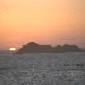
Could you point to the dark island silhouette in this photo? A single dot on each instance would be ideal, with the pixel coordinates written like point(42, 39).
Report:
point(33, 47)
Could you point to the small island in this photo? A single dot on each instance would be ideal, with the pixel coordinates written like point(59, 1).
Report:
point(33, 47)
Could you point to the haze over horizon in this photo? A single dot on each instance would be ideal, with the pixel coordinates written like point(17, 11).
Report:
point(42, 21)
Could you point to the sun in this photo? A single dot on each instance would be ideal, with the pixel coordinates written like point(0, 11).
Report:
point(12, 49)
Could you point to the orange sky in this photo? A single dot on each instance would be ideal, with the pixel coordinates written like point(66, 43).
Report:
point(44, 21)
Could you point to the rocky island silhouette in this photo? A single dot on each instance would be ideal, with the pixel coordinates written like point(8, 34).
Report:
point(33, 47)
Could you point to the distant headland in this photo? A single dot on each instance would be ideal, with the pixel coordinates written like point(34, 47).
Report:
point(33, 47)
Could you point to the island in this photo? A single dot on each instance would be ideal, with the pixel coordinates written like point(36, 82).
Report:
point(33, 47)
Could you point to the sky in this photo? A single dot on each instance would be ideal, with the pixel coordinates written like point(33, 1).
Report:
point(42, 21)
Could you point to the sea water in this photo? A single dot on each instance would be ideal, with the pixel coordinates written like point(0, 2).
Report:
point(42, 69)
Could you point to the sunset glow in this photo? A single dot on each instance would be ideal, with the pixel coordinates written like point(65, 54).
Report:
point(43, 21)
point(12, 49)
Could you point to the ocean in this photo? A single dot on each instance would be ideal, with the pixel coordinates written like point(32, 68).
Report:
point(42, 69)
